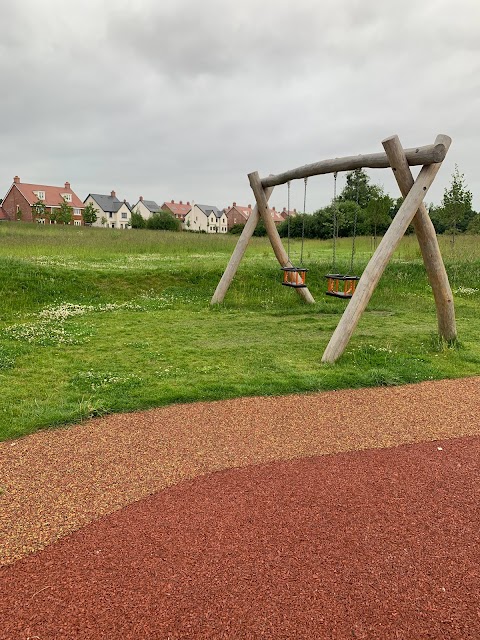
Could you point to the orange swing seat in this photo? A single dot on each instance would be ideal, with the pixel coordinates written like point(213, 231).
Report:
point(340, 286)
point(294, 277)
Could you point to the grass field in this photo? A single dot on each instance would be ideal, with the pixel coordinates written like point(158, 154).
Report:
point(95, 321)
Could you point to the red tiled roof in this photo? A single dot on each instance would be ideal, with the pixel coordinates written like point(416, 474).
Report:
point(53, 195)
point(284, 214)
point(178, 208)
point(246, 211)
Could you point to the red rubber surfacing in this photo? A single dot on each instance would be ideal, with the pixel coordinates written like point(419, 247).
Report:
point(374, 544)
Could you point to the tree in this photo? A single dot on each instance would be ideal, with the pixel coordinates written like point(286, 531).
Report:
point(164, 221)
point(137, 220)
point(358, 188)
point(377, 216)
point(474, 224)
point(64, 213)
point(90, 214)
point(38, 210)
point(456, 205)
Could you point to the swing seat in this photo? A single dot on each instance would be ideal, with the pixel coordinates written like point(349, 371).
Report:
point(294, 277)
point(335, 289)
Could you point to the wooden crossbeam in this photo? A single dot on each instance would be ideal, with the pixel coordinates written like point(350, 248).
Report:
point(428, 154)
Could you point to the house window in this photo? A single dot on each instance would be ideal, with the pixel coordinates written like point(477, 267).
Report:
point(67, 197)
point(110, 214)
point(77, 212)
point(113, 225)
point(124, 215)
point(77, 223)
point(40, 194)
point(41, 220)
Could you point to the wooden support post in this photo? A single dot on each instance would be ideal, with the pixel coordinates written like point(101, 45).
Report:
point(275, 241)
point(380, 258)
point(427, 239)
point(238, 253)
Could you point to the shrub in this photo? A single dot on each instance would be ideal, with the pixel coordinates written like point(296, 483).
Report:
point(164, 221)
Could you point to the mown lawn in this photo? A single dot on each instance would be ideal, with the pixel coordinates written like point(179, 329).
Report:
point(95, 321)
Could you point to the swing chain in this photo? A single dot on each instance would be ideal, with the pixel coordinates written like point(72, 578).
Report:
point(303, 220)
point(335, 221)
point(355, 218)
point(288, 221)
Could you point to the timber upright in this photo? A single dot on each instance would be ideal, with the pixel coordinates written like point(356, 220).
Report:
point(412, 211)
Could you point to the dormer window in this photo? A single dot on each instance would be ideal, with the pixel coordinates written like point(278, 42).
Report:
point(67, 197)
point(40, 194)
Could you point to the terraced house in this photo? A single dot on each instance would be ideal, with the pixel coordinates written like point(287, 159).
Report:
point(112, 213)
point(207, 218)
point(22, 200)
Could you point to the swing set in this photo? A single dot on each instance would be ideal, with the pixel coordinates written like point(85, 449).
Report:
point(358, 289)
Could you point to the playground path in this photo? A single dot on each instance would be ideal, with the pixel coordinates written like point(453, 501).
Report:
point(54, 482)
point(373, 545)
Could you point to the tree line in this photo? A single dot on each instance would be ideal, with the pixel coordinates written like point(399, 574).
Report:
point(364, 208)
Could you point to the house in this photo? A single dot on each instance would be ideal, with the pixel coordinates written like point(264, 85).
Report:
point(237, 214)
point(146, 208)
point(284, 213)
point(111, 212)
point(20, 201)
point(177, 209)
point(207, 218)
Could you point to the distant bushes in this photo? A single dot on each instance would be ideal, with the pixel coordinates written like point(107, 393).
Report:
point(159, 221)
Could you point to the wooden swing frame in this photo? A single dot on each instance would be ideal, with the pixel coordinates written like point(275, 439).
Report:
point(412, 211)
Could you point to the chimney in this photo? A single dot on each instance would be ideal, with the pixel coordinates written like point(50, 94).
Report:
point(113, 194)
point(172, 202)
point(16, 180)
point(125, 200)
point(234, 204)
point(249, 206)
point(141, 198)
point(188, 203)
point(284, 210)
point(273, 208)
point(181, 202)
point(67, 186)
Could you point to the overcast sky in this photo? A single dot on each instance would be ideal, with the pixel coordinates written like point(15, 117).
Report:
point(182, 98)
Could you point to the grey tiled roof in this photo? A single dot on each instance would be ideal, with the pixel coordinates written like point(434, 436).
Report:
point(107, 203)
point(151, 205)
point(208, 209)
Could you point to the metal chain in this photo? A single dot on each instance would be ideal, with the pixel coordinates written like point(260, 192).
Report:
point(288, 223)
point(303, 222)
point(354, 232)
point(335, 222)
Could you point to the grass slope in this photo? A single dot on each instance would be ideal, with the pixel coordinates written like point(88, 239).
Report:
point(95, 321)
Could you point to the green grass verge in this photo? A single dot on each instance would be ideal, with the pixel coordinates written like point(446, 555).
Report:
point(94, 321)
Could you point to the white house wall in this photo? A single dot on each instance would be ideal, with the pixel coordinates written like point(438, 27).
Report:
point(143, 210)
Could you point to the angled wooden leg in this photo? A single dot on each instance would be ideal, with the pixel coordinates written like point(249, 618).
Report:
point(427, 239)
point(275, 241)
point(238, 253)
point(375, 268)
